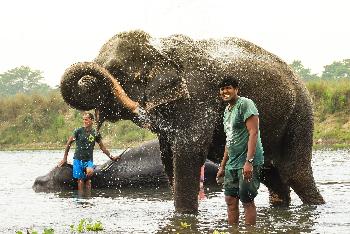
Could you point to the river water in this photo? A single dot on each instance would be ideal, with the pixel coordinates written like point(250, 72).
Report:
point(152, 211)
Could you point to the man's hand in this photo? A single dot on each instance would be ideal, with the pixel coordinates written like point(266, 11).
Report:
point(247, 171)
point(220, 175)
point(61, 163)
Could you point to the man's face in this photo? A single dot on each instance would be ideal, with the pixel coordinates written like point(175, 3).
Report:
point(87, 122)
point(228, 93)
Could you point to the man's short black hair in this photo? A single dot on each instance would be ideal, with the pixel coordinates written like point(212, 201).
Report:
point(229, 80)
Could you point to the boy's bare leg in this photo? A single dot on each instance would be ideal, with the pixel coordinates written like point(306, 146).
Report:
point(88, 188)
point(89, 173)
point(81, 187)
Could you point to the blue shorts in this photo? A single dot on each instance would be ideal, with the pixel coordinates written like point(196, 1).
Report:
point(79, 168)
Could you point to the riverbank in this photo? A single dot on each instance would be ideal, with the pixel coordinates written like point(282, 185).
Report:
point(44, 121)
point(332, 131)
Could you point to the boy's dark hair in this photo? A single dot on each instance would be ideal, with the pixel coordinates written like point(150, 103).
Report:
point(91, 116)
point(229, 80)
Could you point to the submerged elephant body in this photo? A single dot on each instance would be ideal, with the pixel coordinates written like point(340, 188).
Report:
point(139, 167)
point(175, 79)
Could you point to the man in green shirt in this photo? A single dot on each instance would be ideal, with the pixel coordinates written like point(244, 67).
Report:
point(85, 138)
point(243, 156)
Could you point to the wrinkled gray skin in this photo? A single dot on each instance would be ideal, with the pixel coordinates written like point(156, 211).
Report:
point(176, 80)
point(139, 167)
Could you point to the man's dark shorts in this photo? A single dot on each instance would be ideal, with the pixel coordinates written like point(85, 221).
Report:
point(236, 186)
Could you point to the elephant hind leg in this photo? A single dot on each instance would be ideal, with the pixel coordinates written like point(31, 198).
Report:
point(304, 186)
point(296, 162)
point(279, 192)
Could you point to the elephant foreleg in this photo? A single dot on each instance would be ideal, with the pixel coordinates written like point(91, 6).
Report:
point(186, 185)
point(279, 192)
point(167, 158)
point(187, 166)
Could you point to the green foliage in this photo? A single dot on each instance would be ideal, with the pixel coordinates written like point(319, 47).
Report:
point(49, 231)
point(185, 225)
point(330, 96)
point(46, 231)
point(304, 73)
point(331, 100)
point(126, 133)
point(86, 225)
point(35, 121)
point(337, 70)
point(218, 232)
point(22, 80)
point(33, 118)
point(83, 226)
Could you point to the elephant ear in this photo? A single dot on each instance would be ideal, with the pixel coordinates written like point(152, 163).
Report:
point(165, 84)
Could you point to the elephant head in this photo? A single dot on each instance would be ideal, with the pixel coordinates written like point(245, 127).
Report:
point(126, 62)
point(175, 80)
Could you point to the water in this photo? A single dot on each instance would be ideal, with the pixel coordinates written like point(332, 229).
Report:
point(152, 210)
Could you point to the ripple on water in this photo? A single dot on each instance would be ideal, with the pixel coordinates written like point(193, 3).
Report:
point(152, 211)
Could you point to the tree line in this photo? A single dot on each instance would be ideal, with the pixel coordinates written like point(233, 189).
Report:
point(336, 71)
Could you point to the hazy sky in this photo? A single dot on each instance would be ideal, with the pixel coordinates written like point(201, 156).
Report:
point(50, 35)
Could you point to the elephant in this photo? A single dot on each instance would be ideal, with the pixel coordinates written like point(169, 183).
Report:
point(170, 86)
point(139, 167)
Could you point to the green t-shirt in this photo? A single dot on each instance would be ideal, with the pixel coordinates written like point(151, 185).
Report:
point(237, 134)
point(85, 143)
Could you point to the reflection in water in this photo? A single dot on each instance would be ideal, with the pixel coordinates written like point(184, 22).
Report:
point(297, 218)
point(151, 210)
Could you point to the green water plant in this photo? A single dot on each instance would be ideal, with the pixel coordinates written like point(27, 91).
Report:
point(86, 225)
point(49, 231)
point(185, 225)
point(218, 232)
point(46, 231)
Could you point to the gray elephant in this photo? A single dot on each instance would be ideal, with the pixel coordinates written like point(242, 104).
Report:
point(139, 167)
point(175, 80)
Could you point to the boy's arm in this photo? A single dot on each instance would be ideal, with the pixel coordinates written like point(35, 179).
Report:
point(66, 151)
point(106, 151)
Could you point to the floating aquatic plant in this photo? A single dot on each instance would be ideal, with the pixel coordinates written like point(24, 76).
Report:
point(85, 225)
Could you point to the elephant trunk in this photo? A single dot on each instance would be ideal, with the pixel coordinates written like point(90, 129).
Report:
point(87, 85)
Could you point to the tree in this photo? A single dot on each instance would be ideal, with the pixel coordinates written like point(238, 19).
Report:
point(304, 73)
point(337, 70)
point(22, 80)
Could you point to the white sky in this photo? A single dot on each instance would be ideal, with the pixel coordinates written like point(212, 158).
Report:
point(50, 35)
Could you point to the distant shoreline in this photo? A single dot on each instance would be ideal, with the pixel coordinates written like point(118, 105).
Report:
point(52, 146)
